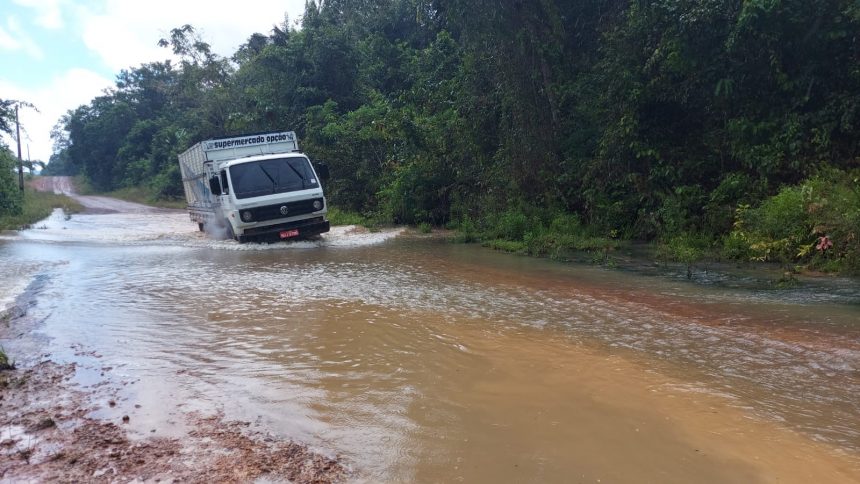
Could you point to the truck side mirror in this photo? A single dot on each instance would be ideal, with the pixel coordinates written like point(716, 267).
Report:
point(322, 170)
point(215, 185)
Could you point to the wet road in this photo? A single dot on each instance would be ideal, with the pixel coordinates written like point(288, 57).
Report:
point(422, 361)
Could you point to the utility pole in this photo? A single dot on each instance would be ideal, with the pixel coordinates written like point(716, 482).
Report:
point(20, 163)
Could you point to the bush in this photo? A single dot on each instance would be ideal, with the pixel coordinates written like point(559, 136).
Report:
point(685, 248)
point(537, 232)
point(788, 226)
point(467, 232)
point(337, 216)
point(10, 194)
point(833, 207)
point(681, 211)
point(5, 362)
point(509, 225)
point(734, 189)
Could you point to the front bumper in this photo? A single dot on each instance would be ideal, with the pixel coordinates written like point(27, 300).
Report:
point(307, 228)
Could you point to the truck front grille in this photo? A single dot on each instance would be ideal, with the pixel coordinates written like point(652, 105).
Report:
point(272, 212)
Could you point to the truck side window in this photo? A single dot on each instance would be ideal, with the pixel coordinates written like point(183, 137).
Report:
point(215, 185)
point(224, 185)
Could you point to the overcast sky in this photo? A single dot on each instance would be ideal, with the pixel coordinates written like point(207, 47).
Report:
point(59, 54)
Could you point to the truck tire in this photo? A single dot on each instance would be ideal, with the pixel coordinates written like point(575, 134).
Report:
point(230, 233)
point(238, 238)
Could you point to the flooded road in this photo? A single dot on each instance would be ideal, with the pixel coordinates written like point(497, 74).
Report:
point(416, 360)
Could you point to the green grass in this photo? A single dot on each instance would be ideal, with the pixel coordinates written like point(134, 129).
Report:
point(143, 196)
point(342, 217)
point(38, 206)
point(512, 246)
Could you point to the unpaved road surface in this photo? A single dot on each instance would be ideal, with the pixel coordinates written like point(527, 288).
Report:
point(92, 203)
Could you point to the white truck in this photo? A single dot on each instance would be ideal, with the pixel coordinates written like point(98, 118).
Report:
point(256, 186)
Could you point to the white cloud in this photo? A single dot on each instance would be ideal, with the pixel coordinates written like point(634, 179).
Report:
point(7, 42)
point(14, 37)
point(66, 91)
point(125, 33)
point(48, 12)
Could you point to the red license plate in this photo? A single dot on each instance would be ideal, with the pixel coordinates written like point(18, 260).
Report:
point(286, 234)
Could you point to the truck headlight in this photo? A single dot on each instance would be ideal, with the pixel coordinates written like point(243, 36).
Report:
point(318, 205)
point(247, 216)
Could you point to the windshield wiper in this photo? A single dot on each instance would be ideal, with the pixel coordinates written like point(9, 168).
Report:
point(268, 176)
point(297, 173)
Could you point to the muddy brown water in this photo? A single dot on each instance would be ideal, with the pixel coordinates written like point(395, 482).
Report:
point(421, 361)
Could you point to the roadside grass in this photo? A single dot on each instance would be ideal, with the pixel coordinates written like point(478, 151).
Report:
point(143, 196)
point(337, 216)
point(540, 234)
point(38, 206)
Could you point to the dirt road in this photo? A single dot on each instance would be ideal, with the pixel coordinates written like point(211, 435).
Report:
point(92, 203)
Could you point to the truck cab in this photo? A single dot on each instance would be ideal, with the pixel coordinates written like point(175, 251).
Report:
point(270, 195)
point(255, 187)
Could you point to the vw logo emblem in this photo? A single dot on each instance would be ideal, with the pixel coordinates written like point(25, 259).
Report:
point(284, 210)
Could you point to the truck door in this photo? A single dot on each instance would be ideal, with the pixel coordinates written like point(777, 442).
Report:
point(213, 182)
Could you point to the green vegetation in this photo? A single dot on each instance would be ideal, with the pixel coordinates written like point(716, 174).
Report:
point(717, 127)
point(145, 196)
point(5, 362)
point(543, 233)
point(36, 206)
point(686, 249)
point(11, 198)
point(816, 223)
point(341, 217)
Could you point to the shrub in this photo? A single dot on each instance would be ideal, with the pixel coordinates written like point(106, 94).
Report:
point(509, 225)
point(685, 248)
point(10, 194)
point(337, 216)
point(5, 362)
point(787, 226)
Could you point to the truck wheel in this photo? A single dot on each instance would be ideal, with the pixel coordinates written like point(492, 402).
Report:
point(230, 233)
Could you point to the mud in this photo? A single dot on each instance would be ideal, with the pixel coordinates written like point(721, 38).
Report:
point(48, 432)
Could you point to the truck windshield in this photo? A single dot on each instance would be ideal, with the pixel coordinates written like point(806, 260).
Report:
point(272, 176)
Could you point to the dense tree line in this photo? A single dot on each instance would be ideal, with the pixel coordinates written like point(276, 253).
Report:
point(10, 194)
point(526, 121)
